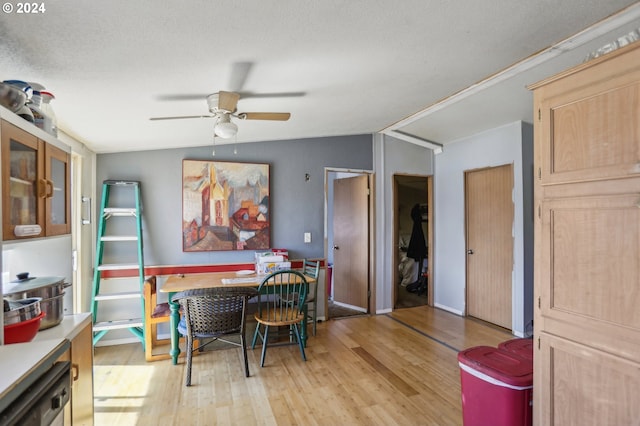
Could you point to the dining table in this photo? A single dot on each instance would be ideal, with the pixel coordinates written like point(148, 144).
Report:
point(182, 282)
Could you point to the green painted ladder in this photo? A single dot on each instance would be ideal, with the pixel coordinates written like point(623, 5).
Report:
point(102, 294)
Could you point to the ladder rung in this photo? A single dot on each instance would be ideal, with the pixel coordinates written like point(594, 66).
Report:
point(119, 211)
point(121, 182)
point(119, 296)
point(117, 267)
point(114, 325)
point(120, 238)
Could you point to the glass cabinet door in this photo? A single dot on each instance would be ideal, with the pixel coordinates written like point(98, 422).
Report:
point(57, 191)
point(22, 182)
point(21, 168)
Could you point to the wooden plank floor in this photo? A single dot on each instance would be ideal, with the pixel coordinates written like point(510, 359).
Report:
point(395, 369)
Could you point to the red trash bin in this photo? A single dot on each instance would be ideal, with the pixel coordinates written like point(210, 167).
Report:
point(521, 346)
point(497, 387)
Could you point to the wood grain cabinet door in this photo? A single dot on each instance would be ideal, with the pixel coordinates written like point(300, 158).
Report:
point(573, 373)
point(590, 270)
point(592, 131)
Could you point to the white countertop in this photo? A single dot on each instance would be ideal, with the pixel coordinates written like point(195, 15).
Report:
point(67, 329)
point(19, 360)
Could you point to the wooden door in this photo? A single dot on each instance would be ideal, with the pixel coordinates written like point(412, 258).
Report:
point(489, 223)
point(351, 242)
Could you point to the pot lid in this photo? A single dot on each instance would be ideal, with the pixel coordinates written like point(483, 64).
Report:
point(28, 284)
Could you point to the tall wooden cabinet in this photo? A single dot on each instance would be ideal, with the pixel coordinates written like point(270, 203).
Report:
point(587, 243)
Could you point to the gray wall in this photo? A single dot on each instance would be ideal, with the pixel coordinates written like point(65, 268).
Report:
point(509, 144)
point(297, 205)
point(392, 156)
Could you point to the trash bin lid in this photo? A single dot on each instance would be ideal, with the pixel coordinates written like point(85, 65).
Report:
point(522, 347)
point(506, 367)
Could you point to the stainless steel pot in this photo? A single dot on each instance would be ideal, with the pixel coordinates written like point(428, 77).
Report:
point(50, 289)
point(53, 309)
point(22, 310)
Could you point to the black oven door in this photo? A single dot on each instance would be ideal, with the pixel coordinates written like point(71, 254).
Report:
point(43, 402)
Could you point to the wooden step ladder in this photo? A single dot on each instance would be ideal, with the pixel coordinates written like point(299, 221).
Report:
point(102, 294)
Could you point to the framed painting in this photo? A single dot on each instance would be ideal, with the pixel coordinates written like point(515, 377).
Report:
point(225, 206)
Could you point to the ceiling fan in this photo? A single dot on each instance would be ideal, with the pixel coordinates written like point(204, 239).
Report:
point(223, 106)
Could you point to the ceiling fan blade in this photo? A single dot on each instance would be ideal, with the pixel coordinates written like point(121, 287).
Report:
point(243, 95)
point(246, 95)
point(227, 101)
point(278, 116)
point(239, 74)
point(180, 117)
point(182, 97)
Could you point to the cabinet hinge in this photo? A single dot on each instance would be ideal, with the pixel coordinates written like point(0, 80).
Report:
point(539, 173)
point(538, 343)
point(539, 212)
point(539, 115)
point(538, 302)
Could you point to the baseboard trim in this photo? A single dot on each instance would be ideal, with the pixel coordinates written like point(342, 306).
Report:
point(449, 309)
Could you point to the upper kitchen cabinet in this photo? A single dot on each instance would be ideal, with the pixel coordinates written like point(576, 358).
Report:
point(589, 128)
point(35, 186)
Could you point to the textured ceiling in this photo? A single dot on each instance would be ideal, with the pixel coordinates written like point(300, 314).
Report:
point(352, 67)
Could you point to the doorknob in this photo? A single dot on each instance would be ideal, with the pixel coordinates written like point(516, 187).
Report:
point(469, 251)
point(336, 248)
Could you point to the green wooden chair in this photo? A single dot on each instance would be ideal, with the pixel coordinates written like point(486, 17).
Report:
point(281, 304)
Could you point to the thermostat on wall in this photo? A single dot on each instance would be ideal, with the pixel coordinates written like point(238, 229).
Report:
point(27, 230)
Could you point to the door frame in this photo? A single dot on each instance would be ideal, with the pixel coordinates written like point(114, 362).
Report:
point(328, 207)
point(430, 239)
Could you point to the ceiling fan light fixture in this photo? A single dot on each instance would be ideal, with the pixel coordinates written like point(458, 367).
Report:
point(225, 129)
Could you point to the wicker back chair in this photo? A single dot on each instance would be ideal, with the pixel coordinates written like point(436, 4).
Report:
point(281, 304)
point(213, 313)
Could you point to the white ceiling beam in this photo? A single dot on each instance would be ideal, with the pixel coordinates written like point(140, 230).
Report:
point(436, 147)
point(608, 24)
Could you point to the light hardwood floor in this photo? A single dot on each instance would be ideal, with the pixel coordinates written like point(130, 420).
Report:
point(394, 369)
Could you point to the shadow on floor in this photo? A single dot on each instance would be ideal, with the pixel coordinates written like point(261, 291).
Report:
point(337, 312)
point(409, 300)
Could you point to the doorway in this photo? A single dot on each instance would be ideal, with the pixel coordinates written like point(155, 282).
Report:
point(412, 193)
point(348, 225)
point(489, 228)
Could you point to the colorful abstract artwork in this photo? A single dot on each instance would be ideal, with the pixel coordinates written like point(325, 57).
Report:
point(225, 206)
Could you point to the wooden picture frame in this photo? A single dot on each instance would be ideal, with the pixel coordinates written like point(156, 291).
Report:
point(225, 206)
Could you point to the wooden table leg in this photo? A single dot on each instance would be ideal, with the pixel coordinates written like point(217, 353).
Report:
point(174, 319)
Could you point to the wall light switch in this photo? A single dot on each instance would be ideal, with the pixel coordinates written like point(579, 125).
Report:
point(307, 237)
